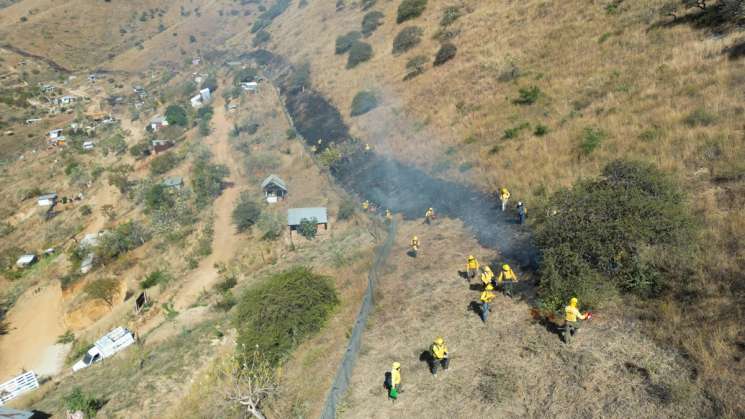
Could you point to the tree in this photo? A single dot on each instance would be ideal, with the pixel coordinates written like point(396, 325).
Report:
point(163, 163)
point(245, 75)
point(105, 289)
point(246, 213)
point(359, 53)
point(363, 102)
point(407, 39)
point(446, 53)
point(207, 180)
point(308, 228)
point(270, 225)
point(176, 115)
point(79, 401)
point(410, 9)
point(344, 42)
point(247, 384)
point(371, 21)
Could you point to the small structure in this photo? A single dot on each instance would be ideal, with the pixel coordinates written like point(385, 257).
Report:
point(161, 145)
point(7, 413)
point(250, 86)
point(158, 122)
point(205, 94)
point(31, 121)
point(88, 145)
point(92, 78)
point(55, 134)
point(23, 383)
point(196, 101)
point(296, 215)
point(176, 182)
point(141, 302)
point(47, 200)
point(275, 189)
point(65, 100)
point(26, 260)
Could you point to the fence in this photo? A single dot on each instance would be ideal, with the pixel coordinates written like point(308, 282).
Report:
point(341, 381)
point(11, 389)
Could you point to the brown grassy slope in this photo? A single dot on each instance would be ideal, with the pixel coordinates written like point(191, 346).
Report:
point(511, 366)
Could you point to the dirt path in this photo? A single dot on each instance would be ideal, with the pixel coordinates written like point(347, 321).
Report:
point(36, 321)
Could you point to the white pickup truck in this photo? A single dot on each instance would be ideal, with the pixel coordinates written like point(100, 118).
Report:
point(111, 343)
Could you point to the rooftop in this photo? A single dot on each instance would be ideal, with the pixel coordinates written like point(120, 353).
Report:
point(274, 179)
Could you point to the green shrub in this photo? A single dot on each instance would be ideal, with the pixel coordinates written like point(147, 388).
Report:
point(82, 402)
point(371, 21)
point(282, 311)
point(410, 9)
point(291, 134)
point(363, 102)
point(308, 228)
point(105, 289)
point(226, 302)
point(591, 140)
point(246, 213)
point(163, 163)
point(450, 15)
point(446, 53)
point(226, 284)
point(628, 229)
point(540, 130)
point(261, 37)
point(367, 4)
point(700, 117)
point(67, 337)
point(245, 75)
point(176, 115)
point(415, 66)
point(344, 43)
point(359, 53)
point(206, 180)
point(270, 225)
point(528, 96)
point(124, 238)
point(158, 277)
point(407, 39)
point(346, 209)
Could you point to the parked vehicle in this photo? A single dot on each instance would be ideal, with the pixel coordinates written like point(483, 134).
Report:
point(108, 345)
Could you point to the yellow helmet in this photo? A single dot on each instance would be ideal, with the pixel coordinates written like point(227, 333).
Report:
point(430, 209)
point(415, 238)
point(470, 257)
point(439, 341)
point(505, 267)
point(489, 287)
point(396, 365)
point(573, 302)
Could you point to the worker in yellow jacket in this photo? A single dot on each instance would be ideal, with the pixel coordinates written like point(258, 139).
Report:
point(509, 278)
point(438, 355)
point(414, 246)
point(487, 276)
point(429, 216)
point(472, 267)
point(571, 315)
point(388, 215)
point(393, 381)
point(365, 205)
point(487, 295)
point(504, 196)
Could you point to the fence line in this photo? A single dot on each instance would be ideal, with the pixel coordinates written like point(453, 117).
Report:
point(344, 373)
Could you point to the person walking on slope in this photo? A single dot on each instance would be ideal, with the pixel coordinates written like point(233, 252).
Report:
point(509, 278)
point(487, 295)
point(571, 314)
point(393, 381)
point(504, 196)
point(487, 276)
point(415, 246)
point(472, 266)
point(388, 216)
point(522, 213)
point(365, 205)
point(429, 216)
point(438, 355)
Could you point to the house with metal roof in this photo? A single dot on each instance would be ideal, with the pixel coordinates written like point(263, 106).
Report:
point(296, 215)
point(275, 189)
point(174, 182)
point(47, 200)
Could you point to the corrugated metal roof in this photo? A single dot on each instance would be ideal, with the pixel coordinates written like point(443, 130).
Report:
point(295, 215)
point(173, 181)
point(274, 179)
point(48, 196)
point(6, 413)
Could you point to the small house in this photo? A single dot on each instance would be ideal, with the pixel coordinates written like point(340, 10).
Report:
point(161, 145)
point(7, 413)
point(205, 94)
point(250, 86)
point(158, 122)
point(31, 121)
point(88, 145)
point(196, 101)
point(297, 215)
point(176, 182)
point(66, 100)
point(26, 260)
point(55, 134)
point(275, 189)
point(47, 200)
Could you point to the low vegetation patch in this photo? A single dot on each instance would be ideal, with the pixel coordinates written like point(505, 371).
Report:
point(591, 140)
point(528, 95)
point(105, 289)
point(363, 102)
point(410, 9)
point(345, 42)
point(629, 229)
point(246, 213)
point(163, 163)
point(450, 15)
point(206, 180)
point(176, 115)
point(371, 21)
point(415, 66)
point(281, 312)
point(158, 277)
point(446, 53)
point(359, 53)
point(80, 401)
point(407, 39)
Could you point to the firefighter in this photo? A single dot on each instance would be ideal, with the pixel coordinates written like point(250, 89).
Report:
point(393, 382)
point(429, 216)
point(438, 355)
point(504, 196)
point(487, 295)
point(509, 278)
point(365, 205)
point(571, 314)
point(472, 266)
point(522, 213)
point(415, 245)
point(388, 215)
point(487, 276)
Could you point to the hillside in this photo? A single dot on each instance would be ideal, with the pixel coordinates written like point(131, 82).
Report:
point(407, 104)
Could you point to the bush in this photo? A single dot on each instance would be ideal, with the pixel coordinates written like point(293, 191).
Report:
point(367, 4)
point(359, 53)
point(700, 117)
point(446, 53)
point(528, 96)
point(282, 311)
point(105, 289)
point(346, 209)
point(270, 225)
point(245, 75)
point(363, 102)
point(540, 130)
point(176, 115)
point(226, 284)
point(450, 15)
point(630, 226)
point(410, 9)
point(344, 43)
point(163, 164)
point(156, 197)
point(79, 401)
point(407, 39)
point(122, 239)
point(226, 302)
point(591, 139)
point(207, 180)
point(371, 21)
point(415, 66)
point(308, 228)
point(261, 37)
point(156, 278)
point(246, 213)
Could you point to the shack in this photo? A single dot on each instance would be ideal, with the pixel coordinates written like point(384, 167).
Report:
point(47, 200)
point(296, 215)
point(275, 189)
point(157, 123)
point(161, 145)
point(26, 260)
point(176, 182)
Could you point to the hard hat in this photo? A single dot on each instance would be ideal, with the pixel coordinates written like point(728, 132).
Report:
point(416, 238)
point(396, 365)
point(519, 203)
point(430, 208)
point(471, 257)
point(489, 287)
point(573, 302)
point(439, 341)
point(505, 267)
